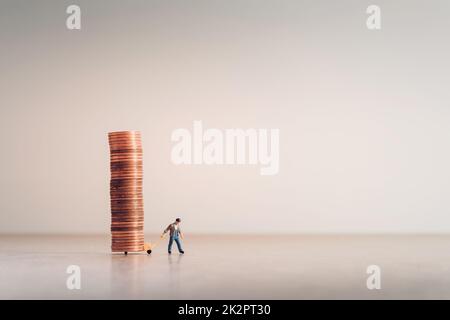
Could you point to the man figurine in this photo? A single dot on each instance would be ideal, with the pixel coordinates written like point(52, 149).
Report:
point(175, 234)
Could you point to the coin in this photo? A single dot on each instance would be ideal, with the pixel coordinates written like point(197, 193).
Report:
point(126, 191)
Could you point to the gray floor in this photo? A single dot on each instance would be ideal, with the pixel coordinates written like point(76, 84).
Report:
point(229, 267)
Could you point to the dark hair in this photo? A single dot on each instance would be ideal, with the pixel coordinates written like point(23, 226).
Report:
point(178, 220)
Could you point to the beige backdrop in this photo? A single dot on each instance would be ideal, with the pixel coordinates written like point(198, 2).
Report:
point(363, 115)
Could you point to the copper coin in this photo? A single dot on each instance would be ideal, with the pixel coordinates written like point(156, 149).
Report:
point(136, 209)
point(126, 150)
point(125, 192)
point(124, 132)
point(126, 197)
point(124, 223)
point(121, 152)
point(118, 150)
point(134, 191)
point(127, 242)
point(126, 227)
point(125, 218)
point(129, 137)
point(137, 190)
point(126, 187)
point(131, 141)
point(126, 137)
point(130, 160)
point(131, 175)
point(118, 172)
point(135, 221)
point(118, 234)
point(125, 144)
point(124, 141)
point(135, 144)
point(117, 195)
point(137, 228)
point(117, 186)
point(116, 206)
point(124, 238)
point(137, 216)
point(114, 153)
point(124, 182)
point(124, 172)
point(118, 165)
point(126, 202)
point(126, 175)
point(127, 237)
point(126, 212)
point(127, 223)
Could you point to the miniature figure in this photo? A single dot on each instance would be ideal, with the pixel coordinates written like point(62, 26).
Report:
point(175, 234)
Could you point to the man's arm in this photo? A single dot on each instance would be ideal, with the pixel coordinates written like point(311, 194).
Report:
point(166, 230)
point(181, 234)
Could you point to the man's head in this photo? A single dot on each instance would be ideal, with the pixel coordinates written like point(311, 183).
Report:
point(177, 220)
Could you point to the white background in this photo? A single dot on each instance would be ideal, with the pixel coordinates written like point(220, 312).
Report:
point(363, 115)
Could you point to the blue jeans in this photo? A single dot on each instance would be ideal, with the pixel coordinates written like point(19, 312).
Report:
point(177, 241)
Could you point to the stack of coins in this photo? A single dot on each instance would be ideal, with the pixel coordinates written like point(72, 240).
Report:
point(127, 204)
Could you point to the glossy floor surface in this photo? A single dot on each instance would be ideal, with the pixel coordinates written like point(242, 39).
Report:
point(228, 267)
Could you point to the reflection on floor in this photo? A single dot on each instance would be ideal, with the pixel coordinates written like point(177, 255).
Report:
point(228, 267)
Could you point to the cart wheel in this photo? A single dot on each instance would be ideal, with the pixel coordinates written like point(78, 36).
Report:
point(149, 251)
point(126, 252)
